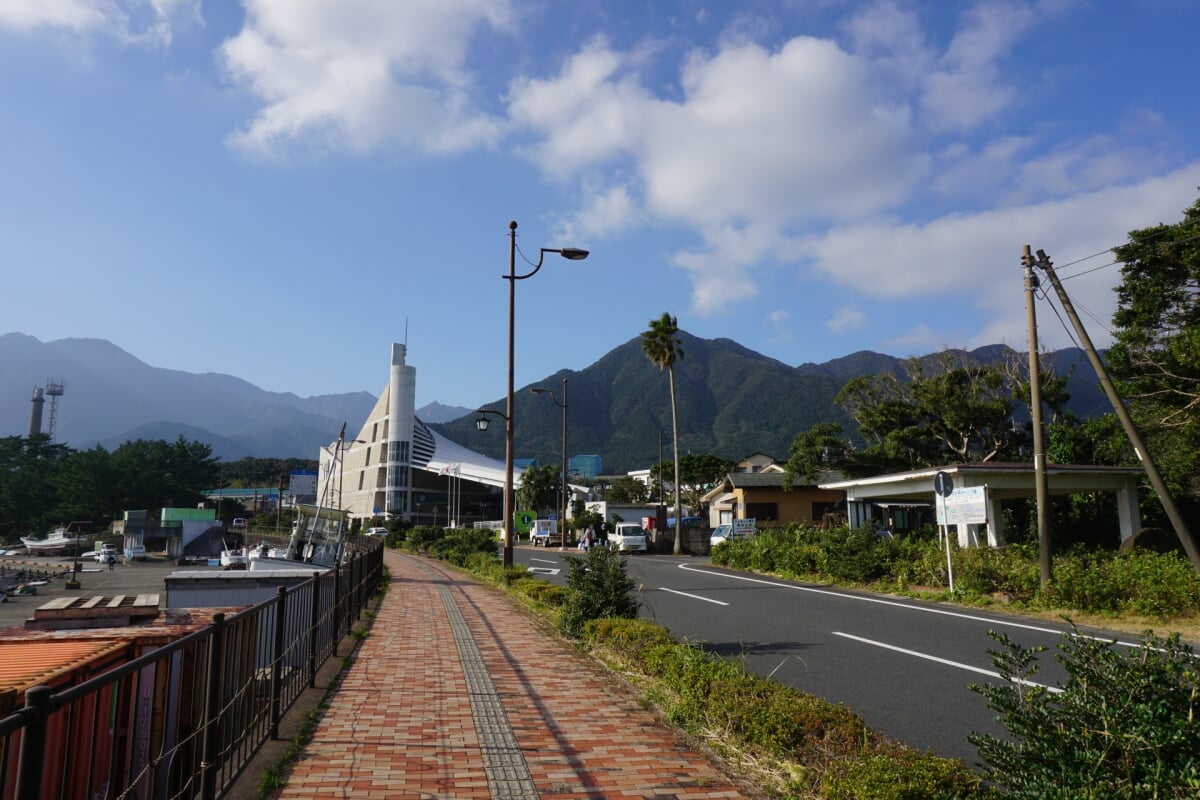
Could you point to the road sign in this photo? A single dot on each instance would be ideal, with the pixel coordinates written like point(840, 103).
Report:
point(943, 484)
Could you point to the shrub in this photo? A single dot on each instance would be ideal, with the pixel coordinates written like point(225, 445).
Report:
point(597, 586)
point(1124, 725)
point(897, 773)
point(1151, 584)
point(630, 638)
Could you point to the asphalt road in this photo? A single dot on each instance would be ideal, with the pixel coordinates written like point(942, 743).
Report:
point(903, 665)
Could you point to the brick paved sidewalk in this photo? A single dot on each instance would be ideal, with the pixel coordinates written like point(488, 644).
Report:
point(457, 693)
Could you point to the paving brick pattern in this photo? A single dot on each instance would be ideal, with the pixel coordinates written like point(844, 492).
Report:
point(401, 723)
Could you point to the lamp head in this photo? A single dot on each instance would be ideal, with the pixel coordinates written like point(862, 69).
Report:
point(481, 423)
point(538, 391)
point(573, 253)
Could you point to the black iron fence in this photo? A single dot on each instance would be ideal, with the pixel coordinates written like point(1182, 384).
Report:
point(183, 719)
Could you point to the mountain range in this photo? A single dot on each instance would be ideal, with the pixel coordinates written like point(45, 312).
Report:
point(732, 402)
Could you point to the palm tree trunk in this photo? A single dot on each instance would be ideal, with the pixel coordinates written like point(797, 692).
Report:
point(675, 445)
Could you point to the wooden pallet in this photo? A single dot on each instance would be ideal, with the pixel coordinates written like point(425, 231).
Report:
point(97, 611)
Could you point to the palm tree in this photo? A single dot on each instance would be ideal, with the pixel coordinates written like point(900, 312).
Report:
point(662, 346)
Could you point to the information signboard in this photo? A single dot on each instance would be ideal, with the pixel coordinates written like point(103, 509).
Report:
point(966, 505)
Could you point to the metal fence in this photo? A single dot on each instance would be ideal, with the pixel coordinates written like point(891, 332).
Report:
point(184, 719)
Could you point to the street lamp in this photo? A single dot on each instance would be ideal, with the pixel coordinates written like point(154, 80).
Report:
point(481, 425)
point(571, 254)
point(563, 405)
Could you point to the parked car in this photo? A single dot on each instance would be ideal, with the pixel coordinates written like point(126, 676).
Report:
point(375, 532)
point(732, 531)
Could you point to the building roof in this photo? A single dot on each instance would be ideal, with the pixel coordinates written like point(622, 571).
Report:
point(445, 457)
point(1002, 479)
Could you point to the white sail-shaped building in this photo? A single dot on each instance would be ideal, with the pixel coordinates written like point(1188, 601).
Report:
point(397, 467)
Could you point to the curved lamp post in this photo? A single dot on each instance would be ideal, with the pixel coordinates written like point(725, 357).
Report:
point(571, 254)
point(563, 405)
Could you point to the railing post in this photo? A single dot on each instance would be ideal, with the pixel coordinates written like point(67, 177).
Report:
point(33, 743)
point(277, 661)
point(336, 606)
point(314, 625)
point(212, 711)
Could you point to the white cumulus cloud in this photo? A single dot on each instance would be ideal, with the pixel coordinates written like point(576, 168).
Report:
point(358, 74)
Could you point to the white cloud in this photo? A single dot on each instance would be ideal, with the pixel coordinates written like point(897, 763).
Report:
point(356, 74)
point(980, 253)
point(593, 110)
point(917, 340)
point(129, 21)
point(605, 210)
point(845, 319)
point(760, 143)
point(966, 88)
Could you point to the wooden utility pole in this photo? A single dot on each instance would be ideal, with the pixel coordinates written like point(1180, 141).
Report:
point(1135, 438)
point(1041, 485)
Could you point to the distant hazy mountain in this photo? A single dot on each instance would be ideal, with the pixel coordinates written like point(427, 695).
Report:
point(436, 412)
point(112, 397)
point(732, 402)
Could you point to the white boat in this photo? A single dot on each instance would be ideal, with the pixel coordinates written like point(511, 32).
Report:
point(234, 558)
point(57, 541)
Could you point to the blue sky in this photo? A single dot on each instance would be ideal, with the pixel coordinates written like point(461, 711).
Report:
point(278, 189)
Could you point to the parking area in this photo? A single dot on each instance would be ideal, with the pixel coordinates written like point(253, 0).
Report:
point(138, 577)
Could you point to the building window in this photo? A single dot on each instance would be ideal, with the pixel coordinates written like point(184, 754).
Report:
point(360, 479)
point(375, 432)
point(762, 511)
point(368, 458)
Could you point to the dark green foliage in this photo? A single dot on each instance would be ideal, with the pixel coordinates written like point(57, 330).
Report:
point(896, 773)
point(1124, 726)
point(1143, 583)
point(814, 451)
point(540, 488)
point(598, 587)
point(44, 484)
point(1155, 357)
point(630, 636)
point(459, 546)
point(950, 411)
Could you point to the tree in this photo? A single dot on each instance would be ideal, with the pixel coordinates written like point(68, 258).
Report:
point(1155, 356)
point(956, 413)
point(662, 346)
point(698, 472)
point(539, 488)
point(814, 451)
point(627, 490)
point(28, 494)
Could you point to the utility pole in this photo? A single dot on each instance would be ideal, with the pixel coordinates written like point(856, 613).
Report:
point(1041, 487)
point(1135, 438)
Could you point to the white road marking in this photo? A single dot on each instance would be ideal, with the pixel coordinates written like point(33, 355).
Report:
point(894, 604)
point(693, 596)
point(545, 560)
point(543, 570)
point(947, 662)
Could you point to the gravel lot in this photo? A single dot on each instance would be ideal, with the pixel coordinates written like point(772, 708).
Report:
point(138, 577)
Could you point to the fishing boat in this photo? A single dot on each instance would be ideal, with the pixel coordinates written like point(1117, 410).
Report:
point(58, 540)
point(234, 557)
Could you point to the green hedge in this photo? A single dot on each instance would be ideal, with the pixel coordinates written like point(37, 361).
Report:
point(1160, 585)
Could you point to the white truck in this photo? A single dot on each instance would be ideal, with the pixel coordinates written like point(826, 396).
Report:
point(545, 532)
point(628, 537)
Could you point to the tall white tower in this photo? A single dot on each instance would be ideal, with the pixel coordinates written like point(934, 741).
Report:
point(402, 394)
